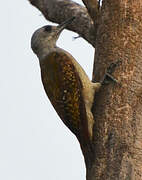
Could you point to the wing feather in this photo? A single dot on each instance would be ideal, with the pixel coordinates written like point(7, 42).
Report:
point(64, 89)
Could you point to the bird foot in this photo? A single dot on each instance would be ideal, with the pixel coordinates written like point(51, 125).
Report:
point(108, 77)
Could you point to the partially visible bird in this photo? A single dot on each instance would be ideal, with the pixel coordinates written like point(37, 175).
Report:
point(65, 82)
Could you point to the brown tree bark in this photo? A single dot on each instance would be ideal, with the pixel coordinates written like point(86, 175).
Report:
point(58, 11)
point(117, 142)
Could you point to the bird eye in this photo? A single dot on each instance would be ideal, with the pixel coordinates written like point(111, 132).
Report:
point(48, 28)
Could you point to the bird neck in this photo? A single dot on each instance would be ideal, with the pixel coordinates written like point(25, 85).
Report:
point(44, 51)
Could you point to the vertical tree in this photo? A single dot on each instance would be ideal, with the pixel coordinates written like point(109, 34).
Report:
point(115, 31)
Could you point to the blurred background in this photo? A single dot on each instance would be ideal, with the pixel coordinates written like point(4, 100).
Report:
point(34, 143)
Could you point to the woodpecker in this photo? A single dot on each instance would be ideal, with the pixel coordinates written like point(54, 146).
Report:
point(65, 82)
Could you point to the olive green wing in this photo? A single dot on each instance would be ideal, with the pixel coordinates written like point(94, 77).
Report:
point(64, 89)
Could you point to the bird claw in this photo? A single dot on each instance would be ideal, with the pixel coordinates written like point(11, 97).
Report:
point(108, 77)
point(112, 66)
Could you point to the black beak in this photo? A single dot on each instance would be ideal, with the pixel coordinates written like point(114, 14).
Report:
point(64, 24)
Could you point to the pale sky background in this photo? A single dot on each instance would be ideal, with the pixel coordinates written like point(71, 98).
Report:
point(34, 143)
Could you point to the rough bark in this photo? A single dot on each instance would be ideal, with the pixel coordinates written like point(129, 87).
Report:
point(118, 112)
point(59, 10)
point(93, 9)
point(117, 142)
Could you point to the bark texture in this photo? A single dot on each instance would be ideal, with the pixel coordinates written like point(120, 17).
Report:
point(116, 150)
point(118, 112)
point(93, 9)
point(59, 10)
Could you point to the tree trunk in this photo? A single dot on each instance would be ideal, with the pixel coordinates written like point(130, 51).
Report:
point(118, 112)
point(117, 141)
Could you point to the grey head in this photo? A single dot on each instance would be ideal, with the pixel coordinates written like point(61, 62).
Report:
point(44, 39)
